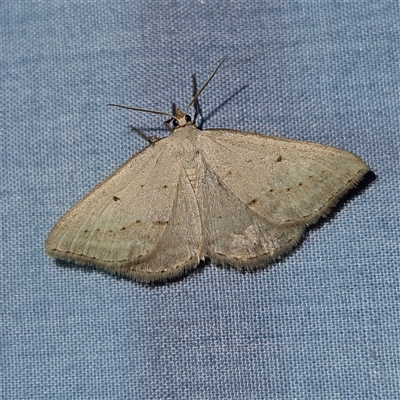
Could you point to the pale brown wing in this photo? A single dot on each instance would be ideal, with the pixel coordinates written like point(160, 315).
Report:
point(284, 181)
point(257, 193)
point(141, 222)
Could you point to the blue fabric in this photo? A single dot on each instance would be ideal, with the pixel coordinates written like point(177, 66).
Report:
point(322, 323)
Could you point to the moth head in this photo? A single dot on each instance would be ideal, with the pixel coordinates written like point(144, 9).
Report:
point(181, 119)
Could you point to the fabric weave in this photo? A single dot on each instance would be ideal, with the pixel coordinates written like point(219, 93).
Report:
point(322, 323)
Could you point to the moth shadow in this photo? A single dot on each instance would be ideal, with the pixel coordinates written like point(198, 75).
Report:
point(356, 191)
point(221, 106)
point(85, 268)
point(90, 269)
point(185, 275)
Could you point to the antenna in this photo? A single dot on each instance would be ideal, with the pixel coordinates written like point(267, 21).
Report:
point(205, 85)
point(143, 110)
point(190, 104)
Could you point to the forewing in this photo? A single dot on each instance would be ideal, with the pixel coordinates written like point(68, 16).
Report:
point(282, 181)
point(127, 224)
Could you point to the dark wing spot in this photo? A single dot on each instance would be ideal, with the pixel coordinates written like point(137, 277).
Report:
point(123, 228)
point(279, 159)
point(161, 223)
point(251, 203)
point(116, 198)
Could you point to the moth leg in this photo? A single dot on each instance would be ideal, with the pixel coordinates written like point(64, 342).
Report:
point(166, 124)
point(150, 139)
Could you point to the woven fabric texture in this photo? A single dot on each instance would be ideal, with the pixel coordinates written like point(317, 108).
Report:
point(322, 323)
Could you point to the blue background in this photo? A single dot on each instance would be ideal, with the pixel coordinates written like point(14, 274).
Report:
point(323, 323)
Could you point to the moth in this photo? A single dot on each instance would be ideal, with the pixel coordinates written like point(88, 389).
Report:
point(233, 197)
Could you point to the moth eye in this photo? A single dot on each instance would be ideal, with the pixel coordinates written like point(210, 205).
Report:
point(175, 122)
point(187, 118)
